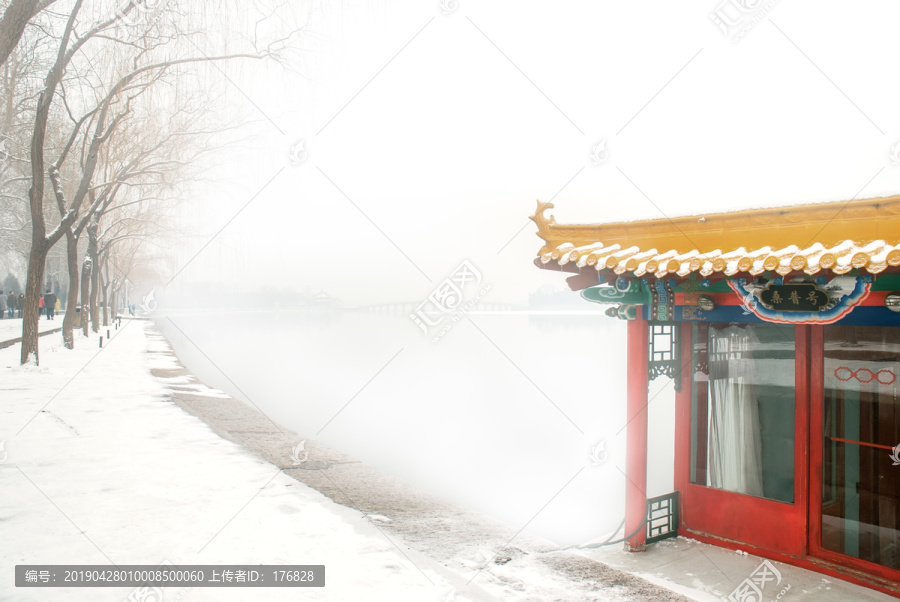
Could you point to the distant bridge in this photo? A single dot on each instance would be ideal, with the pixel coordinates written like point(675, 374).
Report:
point(405, 308)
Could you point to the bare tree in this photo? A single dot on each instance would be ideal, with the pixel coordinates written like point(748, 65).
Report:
point(41, 240)
point(144, 161)
point(151, 58)
point(15, 18)
point(18, 93)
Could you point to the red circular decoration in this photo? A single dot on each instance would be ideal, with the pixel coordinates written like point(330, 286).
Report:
point(892, 376)
point(861, 370)
point(846, 370)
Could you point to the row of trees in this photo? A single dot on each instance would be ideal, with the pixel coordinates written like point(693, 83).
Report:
point(107, 117)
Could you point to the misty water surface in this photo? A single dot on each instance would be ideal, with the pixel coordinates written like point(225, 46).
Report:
point(470, 418)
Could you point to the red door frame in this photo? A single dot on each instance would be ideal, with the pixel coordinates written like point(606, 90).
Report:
point(733, 516)
point(697, 501)
point(816, 457)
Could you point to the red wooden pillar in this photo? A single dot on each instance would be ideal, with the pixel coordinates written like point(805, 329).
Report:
point(683, 419)
point(636, 435)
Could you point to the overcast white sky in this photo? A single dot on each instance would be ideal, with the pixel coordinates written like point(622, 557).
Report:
point(429, 136)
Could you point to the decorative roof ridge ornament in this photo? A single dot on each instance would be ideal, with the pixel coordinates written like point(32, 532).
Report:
point(543, 223)
point(862, 221)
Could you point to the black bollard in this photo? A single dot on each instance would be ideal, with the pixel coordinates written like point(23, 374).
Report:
point(101, 342)
point(107, 333)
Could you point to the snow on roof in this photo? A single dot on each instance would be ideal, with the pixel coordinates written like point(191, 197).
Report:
point(836, 237)
point(875, 257)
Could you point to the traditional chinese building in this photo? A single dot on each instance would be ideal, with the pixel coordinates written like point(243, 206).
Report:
point(780, 330)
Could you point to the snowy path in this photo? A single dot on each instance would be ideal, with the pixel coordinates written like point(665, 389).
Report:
point(100, 466)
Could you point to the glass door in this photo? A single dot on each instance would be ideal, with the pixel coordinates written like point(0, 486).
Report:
point(744, 406)
point(746, 477)
point(857, 519)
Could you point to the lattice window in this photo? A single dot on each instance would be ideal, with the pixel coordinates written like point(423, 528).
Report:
point(662, 517)
point(664, 353)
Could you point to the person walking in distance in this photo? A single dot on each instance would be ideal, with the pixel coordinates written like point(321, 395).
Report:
point(2, 305)
point(50, 304)
point(11, 304)
point(21, 304)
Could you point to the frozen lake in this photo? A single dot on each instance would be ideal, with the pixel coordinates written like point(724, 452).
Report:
point(501, 415)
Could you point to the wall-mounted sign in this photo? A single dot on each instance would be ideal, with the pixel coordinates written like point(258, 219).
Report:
point(800, 296)
point(842, 294)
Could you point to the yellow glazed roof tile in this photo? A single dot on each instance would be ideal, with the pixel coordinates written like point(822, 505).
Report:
point(839, 237)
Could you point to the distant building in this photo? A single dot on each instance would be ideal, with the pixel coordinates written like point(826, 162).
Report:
point(324, 300)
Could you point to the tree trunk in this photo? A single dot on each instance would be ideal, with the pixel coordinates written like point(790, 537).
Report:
point(95, 288)
point(13, 23)
point(114, 304)
point(85, 294)
point(91, 260)
point(41, 242)
point(68, 327)
point(31, 315)
point(104, 297)
point(39, 246)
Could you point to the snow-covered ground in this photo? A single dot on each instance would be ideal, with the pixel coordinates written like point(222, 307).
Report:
point(12, 328)
point(100, 466)
point(709, 573)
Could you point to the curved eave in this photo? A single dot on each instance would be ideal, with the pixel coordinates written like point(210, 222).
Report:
point(828, 237)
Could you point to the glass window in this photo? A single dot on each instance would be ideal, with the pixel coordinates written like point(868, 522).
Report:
point(861, 483)
point(742, 412)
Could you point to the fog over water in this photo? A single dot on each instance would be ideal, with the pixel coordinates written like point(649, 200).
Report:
point(470, 418)
point(412, 137)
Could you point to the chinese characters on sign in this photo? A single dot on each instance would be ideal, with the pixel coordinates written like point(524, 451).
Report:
point(804, 296)
point(445, 306)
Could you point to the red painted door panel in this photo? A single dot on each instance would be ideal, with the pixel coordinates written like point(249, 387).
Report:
point(741, 434)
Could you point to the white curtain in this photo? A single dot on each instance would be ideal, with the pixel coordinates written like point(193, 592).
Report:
point(735, 462)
